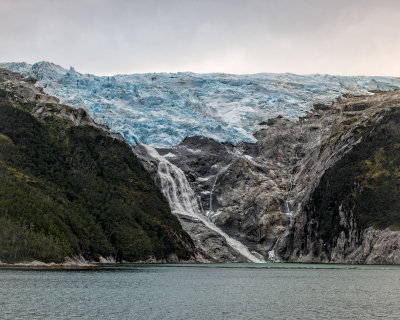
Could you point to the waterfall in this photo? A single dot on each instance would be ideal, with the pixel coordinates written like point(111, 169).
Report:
point(215, 182)
point(271, 253)
point(175, 186)
point(288, 211)
point(286, 206)
point(183, 200)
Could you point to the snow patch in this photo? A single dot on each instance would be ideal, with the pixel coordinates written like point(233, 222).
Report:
point(169, 155)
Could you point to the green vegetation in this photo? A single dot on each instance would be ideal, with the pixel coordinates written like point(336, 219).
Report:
point(3, 94)
point(67, 190)
point(366, 180)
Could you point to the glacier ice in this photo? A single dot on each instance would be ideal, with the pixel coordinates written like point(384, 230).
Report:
point(161, 109)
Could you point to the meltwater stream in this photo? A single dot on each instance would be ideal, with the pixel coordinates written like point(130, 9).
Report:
point(183, 200)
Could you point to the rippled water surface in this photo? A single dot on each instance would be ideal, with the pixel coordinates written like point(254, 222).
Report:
point(240, 291)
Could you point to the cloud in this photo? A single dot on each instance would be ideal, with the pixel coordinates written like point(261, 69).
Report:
point(299, 36)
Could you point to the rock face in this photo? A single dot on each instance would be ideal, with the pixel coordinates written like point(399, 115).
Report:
point(259, 193)
point(212, 244)
point(216, 245)
point(377, 247)
point(349, 215)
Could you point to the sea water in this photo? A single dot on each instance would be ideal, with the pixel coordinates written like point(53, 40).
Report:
point(219, 291)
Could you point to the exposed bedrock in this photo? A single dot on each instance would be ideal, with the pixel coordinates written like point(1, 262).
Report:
point(260, 193)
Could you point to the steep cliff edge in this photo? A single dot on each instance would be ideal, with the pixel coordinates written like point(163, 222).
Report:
point(355, 210)
point(69, 187)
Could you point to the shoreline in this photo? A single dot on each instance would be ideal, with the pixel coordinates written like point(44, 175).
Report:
point(91, 266)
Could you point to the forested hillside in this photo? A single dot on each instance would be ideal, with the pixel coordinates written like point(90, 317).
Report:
point(70, 190)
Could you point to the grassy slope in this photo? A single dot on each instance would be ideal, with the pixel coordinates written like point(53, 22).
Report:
point(366, 180)
point(72, 190)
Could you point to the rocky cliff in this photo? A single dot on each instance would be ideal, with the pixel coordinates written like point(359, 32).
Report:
point(268, 194)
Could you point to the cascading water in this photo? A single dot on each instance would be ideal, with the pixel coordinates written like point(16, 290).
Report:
point(288, 211)
point(175, 186)
point(213, 186)
point(286, 206)
point(271, 253)
point(183, 200)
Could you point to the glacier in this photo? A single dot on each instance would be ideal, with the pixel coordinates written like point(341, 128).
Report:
point(161, 109)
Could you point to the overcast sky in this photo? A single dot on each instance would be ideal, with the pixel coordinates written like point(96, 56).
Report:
point(352, 37)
